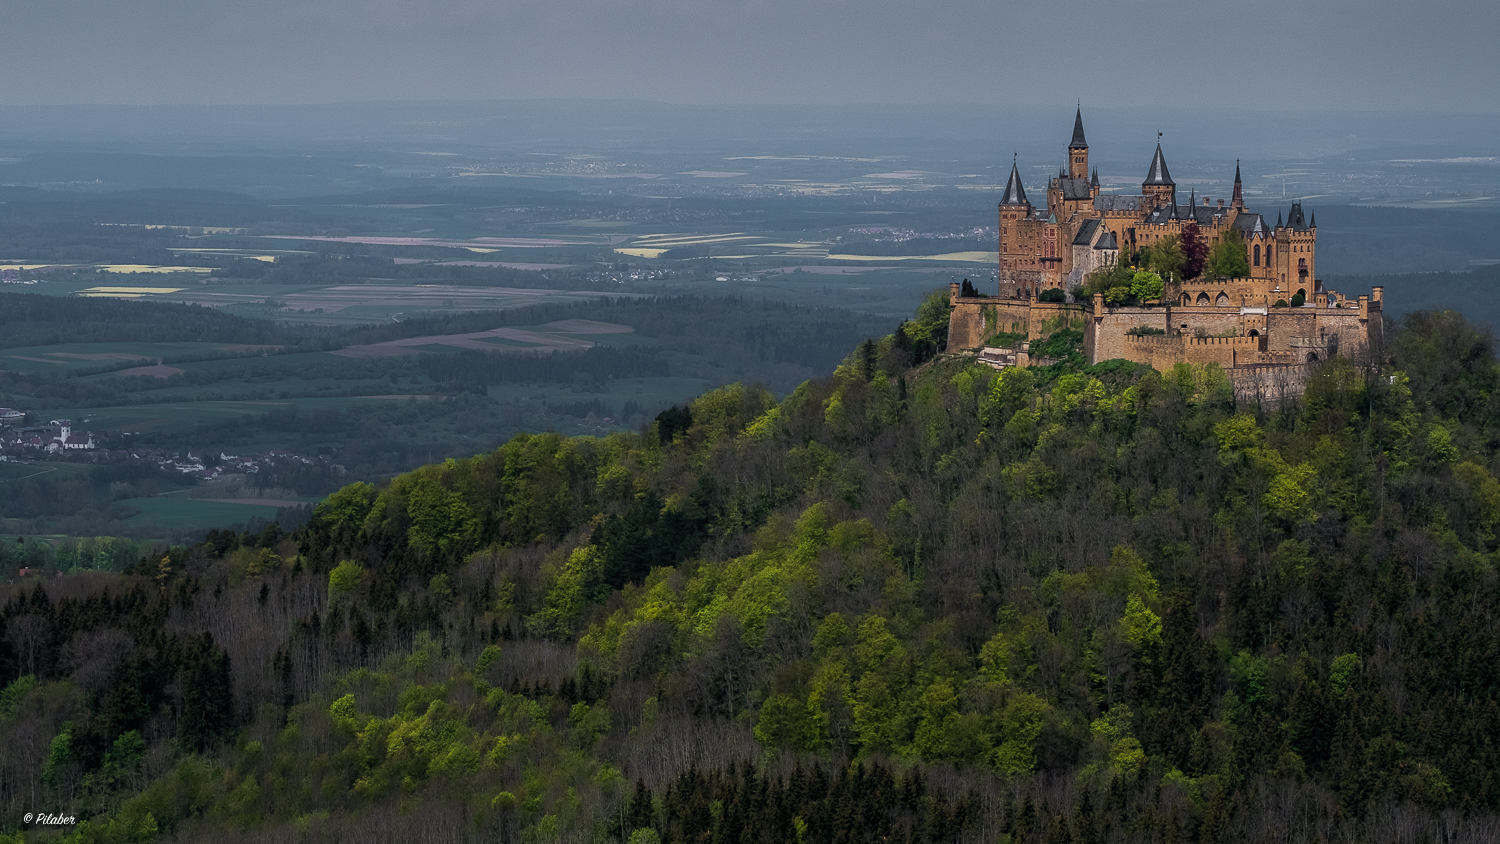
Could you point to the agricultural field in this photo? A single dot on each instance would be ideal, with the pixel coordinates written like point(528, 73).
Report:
point(175, 514)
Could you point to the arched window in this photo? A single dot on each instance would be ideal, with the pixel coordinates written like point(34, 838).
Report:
point(1222, 301)
point(1257, 254)
point(1202, 299)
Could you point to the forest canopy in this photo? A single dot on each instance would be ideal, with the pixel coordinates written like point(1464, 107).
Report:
point(910, 601)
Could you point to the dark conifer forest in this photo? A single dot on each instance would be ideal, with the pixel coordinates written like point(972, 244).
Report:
point(918, 600)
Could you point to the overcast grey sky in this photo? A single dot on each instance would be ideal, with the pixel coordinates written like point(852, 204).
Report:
point(1375, 54)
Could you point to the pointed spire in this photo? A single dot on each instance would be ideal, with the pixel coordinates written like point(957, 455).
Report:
point(1236, 171)
point(1015, 193)
point(1314, 223)
point(1278, 219)
point(1095, 180)
point(1078, 142)
point(1239, 196)
point(1158, 174)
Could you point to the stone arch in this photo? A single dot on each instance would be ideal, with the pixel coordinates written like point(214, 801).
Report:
point(1202, 299)
point(1222, 301)
point(1187, 299)
point(1254, 332)
point(1312, 357)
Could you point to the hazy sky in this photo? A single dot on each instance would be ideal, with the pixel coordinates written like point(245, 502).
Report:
point(1369, 54)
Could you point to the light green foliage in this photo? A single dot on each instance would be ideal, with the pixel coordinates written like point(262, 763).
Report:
point(1290, 495)
point(1142, 626)
point(439, 516)
point(348, 507)
point(937, 738)
point(645, 835)
point(833, 632)
point(59, 758)
point(1114, 724)
point(994, 656)
point(1165, 258)
point(829, 701)
point(345, 577)
point(1116, 295)
point(1342, 673)
point(486, 658)
point(931, 319)
point(1020, 725)
point(578, 585)
point(1146, 286)
point(14, 694)
point(784, 722)
point(1227, 258)
point(1127, 757)
point(1440, 447)
point(343, 709)
point(1483, 494)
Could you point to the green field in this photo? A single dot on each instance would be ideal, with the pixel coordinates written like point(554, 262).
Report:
point(181, 416)
point(22, 471)
point(174, 512)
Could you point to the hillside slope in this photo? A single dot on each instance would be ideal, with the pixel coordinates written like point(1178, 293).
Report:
point(918, 600)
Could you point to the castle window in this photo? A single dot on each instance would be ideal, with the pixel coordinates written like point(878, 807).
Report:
point(1257, 255)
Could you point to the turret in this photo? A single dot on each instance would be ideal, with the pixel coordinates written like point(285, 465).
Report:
point(1159, 185)
point(1238, 202)
point(1015, 192)
point(1078, 149)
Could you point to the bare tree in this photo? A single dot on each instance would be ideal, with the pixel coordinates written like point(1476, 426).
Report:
point(28, 634)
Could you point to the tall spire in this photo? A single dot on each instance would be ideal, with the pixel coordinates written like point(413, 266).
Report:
point(1158, 174)
point(1078, 142)
point(1015, 193)
point(1095, 180)
point(1239, 197)
point(1314, 223)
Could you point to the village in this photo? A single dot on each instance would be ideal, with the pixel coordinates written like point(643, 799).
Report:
point(23, 443)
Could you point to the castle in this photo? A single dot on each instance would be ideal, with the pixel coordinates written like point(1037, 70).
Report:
point(1248, 324)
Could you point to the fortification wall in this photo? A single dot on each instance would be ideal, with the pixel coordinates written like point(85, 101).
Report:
point(1047, 317)
point(973, 320)
point(1104, 335)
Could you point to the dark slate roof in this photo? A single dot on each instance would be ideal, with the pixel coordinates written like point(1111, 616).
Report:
point(1249, 224)
point(1158, 174)
point(1015, 193)
point(1114, 202)
point(1107, 241)
point(1078, 142)
point(1076, 189)
point(1086, 233)
point(1294, 218)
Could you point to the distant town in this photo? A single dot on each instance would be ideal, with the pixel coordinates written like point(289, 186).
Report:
point(21, 442)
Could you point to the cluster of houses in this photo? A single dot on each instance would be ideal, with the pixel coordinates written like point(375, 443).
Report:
point(21, 442)
point(57, 435)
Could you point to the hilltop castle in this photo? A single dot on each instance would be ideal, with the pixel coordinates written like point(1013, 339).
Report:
point(1240, 323)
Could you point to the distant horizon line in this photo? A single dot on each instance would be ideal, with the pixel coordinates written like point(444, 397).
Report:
point(753, 105)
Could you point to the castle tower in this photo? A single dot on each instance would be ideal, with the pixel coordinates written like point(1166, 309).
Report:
point(1014, 209)
point(1078, 150)
point(1238, 203)
point(1159, 185)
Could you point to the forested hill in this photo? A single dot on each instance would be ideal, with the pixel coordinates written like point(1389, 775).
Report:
point(916, 601)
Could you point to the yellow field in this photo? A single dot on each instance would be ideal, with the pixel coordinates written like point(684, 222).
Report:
point(641, 253)
point(148, 268)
